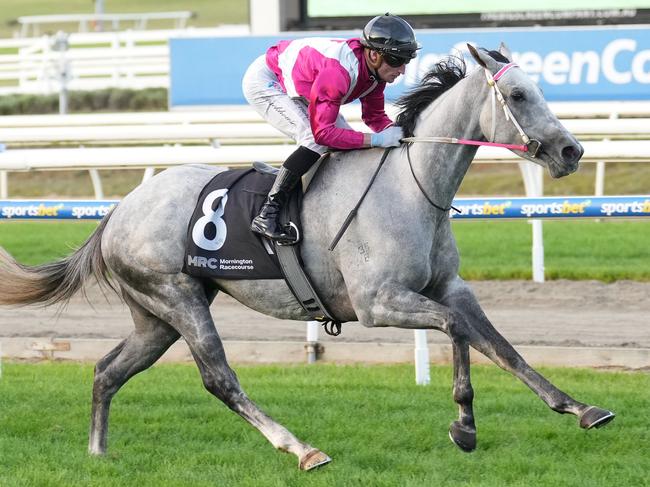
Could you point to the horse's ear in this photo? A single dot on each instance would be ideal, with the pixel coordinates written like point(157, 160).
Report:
point(503, 49)
point(482, 58)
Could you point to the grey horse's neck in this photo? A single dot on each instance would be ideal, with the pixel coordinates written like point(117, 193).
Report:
point(441, 167)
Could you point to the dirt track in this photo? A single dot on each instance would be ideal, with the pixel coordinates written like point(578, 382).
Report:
point(554, 313)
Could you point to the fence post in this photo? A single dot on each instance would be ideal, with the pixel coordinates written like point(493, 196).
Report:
point(422, 372)
point(599, 187)
point(97, 183)
point(312, 341)
point(4, 185)
point(533, 175)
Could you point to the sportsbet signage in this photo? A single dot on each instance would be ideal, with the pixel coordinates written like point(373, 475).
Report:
point(469, 208)
point(570, 64)
point(55, 210)
point(550, 207)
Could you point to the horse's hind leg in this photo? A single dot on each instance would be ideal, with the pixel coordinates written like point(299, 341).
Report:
point(188, 312)
point(151, 338)
point(487, 340)
point(220, 380)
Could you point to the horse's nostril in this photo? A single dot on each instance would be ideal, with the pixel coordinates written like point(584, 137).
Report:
point(571, 154)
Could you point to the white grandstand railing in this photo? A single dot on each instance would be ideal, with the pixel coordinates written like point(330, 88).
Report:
point(31, 24)
point(94, 60)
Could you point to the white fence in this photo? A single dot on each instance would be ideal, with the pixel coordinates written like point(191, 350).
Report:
point(237, 135)
point(125, 59)
point(31, 24)
point(594, 129)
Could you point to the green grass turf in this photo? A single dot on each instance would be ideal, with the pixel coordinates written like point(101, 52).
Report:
point(606, 250)
point(377, 425)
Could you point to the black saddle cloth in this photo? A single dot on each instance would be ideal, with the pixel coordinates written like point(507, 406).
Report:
point(220, 243)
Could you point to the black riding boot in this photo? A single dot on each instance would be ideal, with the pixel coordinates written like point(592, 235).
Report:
point(266, 223)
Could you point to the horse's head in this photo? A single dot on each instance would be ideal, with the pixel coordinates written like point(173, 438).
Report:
point(516, 111)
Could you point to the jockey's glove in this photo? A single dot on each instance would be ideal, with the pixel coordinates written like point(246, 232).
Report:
point(389, 137)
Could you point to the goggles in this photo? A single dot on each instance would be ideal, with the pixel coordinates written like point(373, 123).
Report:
point(395, 61)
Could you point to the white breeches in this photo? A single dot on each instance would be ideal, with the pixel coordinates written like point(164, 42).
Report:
point(289, 115)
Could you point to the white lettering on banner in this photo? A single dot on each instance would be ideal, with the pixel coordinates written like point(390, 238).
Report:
point(628, 207)
point(620, 62)
point(42, 210)
point(91, 211)
point(580, 59)
point(611, 51)
point(638, 63)
point(555, 208)
point(556, 67)
point(485, 208)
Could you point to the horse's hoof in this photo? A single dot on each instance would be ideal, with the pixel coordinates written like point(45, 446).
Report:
point(314, 458)
point(462, 436)
point(595, 417)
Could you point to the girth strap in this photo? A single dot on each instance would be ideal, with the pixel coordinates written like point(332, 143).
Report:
point(299, 283)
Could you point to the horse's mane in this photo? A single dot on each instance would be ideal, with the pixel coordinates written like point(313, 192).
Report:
point(444, 74)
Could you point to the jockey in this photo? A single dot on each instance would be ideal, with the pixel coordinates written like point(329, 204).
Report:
point(299, 85)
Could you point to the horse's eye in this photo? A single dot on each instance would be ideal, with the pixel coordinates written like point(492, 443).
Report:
point(517, 96)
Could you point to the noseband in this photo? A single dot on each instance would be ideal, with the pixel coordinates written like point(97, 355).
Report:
point(532, 145)
point(529, 145)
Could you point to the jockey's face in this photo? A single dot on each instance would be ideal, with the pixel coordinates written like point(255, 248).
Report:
point(383, 70)
point(388, 73)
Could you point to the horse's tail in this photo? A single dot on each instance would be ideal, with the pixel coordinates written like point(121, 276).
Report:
point(55, 282)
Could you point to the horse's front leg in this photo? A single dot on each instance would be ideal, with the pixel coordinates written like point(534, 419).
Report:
point(487, 340)
point(397, 306)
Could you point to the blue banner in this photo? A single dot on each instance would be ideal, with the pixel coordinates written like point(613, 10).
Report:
point(570, 64)
point(470, 208)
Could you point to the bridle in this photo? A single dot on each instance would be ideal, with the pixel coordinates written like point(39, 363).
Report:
point(532, 146)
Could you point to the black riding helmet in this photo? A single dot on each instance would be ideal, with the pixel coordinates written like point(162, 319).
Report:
point(390, 34)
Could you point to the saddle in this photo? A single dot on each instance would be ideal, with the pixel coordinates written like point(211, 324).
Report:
point(221, 245)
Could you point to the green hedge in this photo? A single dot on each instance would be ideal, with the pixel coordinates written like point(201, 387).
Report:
point(108, 100)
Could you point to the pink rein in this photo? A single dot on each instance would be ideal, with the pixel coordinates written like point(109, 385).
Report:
point(523, 148)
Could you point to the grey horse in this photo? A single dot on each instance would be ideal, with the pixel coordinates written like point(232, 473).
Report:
point(396, 265)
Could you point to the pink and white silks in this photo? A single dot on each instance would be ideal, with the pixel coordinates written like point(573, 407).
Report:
point(298, 86)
